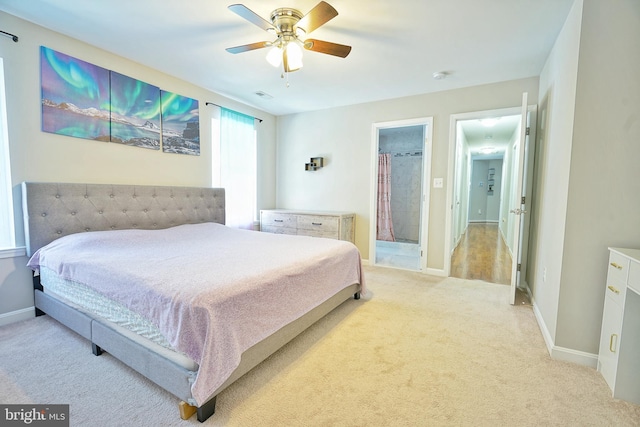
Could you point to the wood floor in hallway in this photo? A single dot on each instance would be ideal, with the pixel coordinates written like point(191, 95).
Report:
point(482, 255)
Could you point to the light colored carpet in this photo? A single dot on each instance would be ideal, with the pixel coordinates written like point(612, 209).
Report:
point(418, 351)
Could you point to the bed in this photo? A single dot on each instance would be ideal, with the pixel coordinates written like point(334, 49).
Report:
point(152, 275)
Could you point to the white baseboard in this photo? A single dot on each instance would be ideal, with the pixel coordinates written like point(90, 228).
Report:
point(17, 316)
point(575, 356)
point(563, 353)
point(435, 272)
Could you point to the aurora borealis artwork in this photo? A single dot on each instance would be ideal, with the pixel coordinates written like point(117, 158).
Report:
point(75, 96)
point(83, 100)
point(135, 112)
point(180, 124)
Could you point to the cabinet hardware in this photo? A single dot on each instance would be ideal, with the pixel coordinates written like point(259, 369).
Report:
point(613, 289)
point(612, 348)
point(618, 266)
point(278, 220)
point(316, 223)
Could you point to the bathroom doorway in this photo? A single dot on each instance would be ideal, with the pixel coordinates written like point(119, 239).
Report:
point(401, 162)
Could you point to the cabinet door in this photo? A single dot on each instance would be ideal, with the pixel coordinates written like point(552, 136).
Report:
point(610, 340)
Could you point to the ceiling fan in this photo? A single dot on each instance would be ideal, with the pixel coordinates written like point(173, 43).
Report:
point(290, 28)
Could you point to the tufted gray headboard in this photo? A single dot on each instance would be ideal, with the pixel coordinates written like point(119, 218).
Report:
point(53, 210)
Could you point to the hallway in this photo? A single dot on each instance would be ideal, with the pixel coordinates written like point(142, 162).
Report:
point(482, 255)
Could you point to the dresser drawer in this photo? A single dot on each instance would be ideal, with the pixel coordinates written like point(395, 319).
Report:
point(317, 233)
point(278, 229)
point(616, 291)
point(618, 268)
point(277, 219)
point(319, 223)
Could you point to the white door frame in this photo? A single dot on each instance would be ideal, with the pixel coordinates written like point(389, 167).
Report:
point(426, 170)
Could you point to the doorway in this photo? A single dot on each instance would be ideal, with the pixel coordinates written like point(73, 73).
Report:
point(401, 168)
point(489, 164)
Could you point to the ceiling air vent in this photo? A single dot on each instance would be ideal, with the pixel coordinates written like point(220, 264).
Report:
point(263, 95)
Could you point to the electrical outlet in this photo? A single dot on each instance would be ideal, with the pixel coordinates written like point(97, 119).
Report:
point(544, 274)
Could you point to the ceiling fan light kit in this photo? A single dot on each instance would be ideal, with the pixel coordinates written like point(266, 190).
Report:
point(290, 27)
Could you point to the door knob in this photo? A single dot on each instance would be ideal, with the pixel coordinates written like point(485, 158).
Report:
point(518, 211)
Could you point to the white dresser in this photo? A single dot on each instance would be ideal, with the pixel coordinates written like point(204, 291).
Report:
point(334, 225)
point(619, 354)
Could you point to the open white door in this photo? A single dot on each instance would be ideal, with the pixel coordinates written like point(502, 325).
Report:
point(518, 210)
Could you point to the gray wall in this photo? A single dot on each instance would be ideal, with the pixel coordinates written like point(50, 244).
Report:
point(603, 208)
point(485, 206)
point(587, 182)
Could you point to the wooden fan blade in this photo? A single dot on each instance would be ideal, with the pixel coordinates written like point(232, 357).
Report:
point(246, 13)
point(248, 47)
point(329, 48)
point(318, 16)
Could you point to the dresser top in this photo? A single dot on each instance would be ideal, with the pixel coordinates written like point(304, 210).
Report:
point(629, 253)
point(307, 212)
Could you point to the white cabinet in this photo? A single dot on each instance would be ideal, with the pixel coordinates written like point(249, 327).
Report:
point(619, 353)
point(333, 225)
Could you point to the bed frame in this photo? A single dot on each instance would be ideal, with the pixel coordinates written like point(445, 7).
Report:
point(53, 210)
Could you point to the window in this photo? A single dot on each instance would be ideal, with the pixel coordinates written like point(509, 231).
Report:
point(7, 232)
point(234, 165)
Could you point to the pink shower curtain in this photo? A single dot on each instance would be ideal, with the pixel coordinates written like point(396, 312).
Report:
point(384, 224)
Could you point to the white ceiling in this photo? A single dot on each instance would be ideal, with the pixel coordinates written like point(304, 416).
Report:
point(397, 45)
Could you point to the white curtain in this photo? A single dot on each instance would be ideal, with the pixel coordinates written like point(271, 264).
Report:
point(7, 233)
point(237, 166)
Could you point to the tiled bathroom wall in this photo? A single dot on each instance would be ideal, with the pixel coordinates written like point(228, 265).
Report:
point(405, 145)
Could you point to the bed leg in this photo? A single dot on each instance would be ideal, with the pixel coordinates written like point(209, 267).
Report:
point(96, 349)
point(207, 409)
point(356, 295)
point(204, 411)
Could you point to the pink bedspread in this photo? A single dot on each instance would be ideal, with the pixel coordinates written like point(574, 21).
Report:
point(213, 291)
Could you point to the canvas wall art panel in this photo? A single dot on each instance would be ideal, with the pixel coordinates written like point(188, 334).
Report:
point(75, 96)
point(180, 124)
point(135, 112)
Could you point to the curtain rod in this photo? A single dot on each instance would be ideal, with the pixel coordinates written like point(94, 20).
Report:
point(211, 103)
point(13, 36)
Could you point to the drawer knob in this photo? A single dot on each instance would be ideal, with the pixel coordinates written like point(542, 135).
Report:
point(613, 289)
point(615, 265)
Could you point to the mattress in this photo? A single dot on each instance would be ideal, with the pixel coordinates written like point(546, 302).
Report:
point(89, 300)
